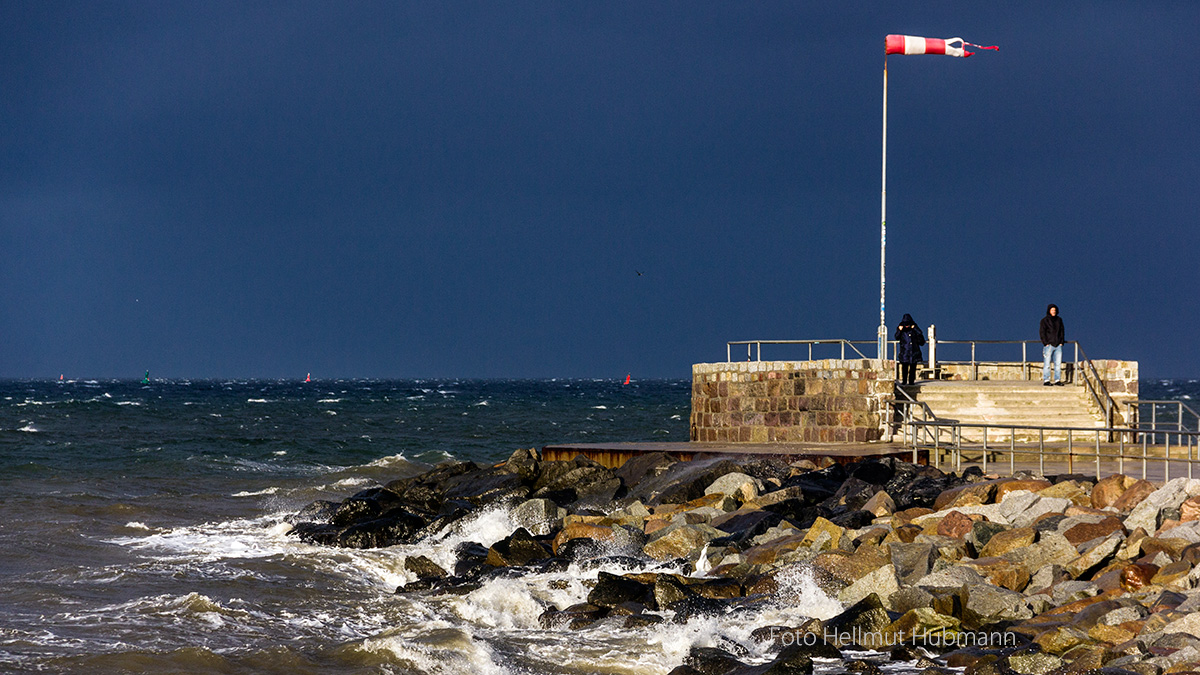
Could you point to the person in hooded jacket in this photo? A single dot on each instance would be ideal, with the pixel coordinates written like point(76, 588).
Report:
point(909, 339)
point(1053, 338)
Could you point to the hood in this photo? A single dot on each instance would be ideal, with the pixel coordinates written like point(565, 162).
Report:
point(907, 320)
point(1050, 307)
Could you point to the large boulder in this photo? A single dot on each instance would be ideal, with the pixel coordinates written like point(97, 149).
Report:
point(364, 506)
point(487, 486)
point(519, 548)
point(393, 527)
point(858, 624)
point(681, 482)
point(737, 485)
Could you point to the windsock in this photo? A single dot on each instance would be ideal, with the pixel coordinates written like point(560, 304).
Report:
point(907, 44)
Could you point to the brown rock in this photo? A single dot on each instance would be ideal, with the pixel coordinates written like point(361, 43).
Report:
point(1001, 572)
point(578, 530)
point(1009, 540)
point(880, 504)
point(822, 533)
point(1060, 640)
point(1106, 492)
point(1189, 509)
point(1172, 546)
point(908, 515)
point(1174, 574)
point(1076, 510)
point(848, 568)
point(1033, 485)
point(955, 525)
point(1089, 531)
point(1133, 495)
point(905, 533)
point(971, 494)
point(768, 553)
point(1137, 575)
point(1110, 634)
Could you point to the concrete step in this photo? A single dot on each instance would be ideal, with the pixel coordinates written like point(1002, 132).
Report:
point(1000, 402)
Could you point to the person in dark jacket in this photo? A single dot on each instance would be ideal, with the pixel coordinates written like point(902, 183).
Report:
point(909, 339)
point(1053, 338)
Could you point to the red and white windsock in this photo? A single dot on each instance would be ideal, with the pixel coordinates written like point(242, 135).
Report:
point(907, 44)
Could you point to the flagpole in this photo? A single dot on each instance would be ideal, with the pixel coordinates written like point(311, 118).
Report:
point(882, 336)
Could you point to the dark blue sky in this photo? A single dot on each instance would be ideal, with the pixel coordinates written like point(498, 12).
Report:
point(231, 189)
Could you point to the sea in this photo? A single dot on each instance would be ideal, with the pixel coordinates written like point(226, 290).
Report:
point(142, 528)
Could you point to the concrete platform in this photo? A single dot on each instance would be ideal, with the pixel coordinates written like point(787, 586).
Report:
point(613, 455)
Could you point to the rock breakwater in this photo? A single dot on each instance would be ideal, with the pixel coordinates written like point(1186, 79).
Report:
point(1017, 574)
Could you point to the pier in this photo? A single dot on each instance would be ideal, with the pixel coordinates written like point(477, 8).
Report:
point(985, 407)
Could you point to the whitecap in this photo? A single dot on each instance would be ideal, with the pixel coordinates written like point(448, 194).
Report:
point(599, 407)
point(136, 525)
point(676, 417)
point(483, 402)
point(129, 403)
point(330, 400)
point(266, 491)
point(29, 428)
point(257, 400)
point(279, 453)
point(330, 412)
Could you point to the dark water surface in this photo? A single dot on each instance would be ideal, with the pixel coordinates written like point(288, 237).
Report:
point(140, 527)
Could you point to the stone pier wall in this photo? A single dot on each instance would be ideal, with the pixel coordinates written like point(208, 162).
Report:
point(831, 400)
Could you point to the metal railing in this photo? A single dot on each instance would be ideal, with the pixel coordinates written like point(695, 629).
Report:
point(754, 347)
point(1180, 441)
point(1165, 416)
point(974, 362)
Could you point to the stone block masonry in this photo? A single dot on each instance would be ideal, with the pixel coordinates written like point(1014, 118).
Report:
point(827, 401)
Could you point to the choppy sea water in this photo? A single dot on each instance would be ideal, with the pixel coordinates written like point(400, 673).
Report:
point(140, 528)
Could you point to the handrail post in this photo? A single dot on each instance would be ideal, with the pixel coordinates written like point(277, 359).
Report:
point(728, 352)
point(933, 348)
point(1024, 362)
point(974, 368)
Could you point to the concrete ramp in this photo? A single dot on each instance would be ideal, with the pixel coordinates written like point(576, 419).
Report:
point(1009, 402)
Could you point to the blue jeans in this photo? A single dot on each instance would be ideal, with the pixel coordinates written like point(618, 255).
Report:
point(1047, 352)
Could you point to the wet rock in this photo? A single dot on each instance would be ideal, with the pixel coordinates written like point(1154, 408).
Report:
point(681, 542)
point(639, 467)
point(319, 511)
point(711, 660)
point(424, 568)
point(611, 591)
point(806, 640)
point(669, 590)
point(524, 463)
point(681, 482)
point(698, 606)
point(518, 549)
point(573, 617)
point(363, 506)
point(643, 620)
point(393, 527)
point(486, 486)
point(746, 524)
point(858, 623)
point(539, 516)
point(589, 481)
point(737, 485)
